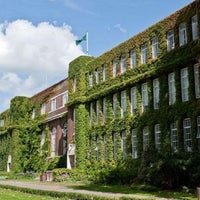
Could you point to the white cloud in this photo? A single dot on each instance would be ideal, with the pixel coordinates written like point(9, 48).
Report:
point(33, 57)
point(120, 28)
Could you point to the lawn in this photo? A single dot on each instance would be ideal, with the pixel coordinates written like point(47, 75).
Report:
point(7, 194)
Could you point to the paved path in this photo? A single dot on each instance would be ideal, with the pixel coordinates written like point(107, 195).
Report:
point(61, 188)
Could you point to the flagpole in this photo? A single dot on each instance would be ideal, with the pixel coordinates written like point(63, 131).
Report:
point(87, 50)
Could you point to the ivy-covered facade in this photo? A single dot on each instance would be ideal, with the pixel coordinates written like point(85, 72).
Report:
point(33, 131)
point(142, 95)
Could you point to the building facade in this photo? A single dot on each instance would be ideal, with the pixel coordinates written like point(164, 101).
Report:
point(142, 94)
point(34, 131)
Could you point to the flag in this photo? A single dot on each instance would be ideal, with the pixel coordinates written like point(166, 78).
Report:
point(84, 38)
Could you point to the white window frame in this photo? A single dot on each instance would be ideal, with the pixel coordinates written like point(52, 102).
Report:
point(133, 100)
point(197, 80)
point(53, 104)
point(133, 58)
point(97, 148)
point(65, 98)
point(195, 35)
point(174, 136)
point(123, 103)
point(90, 79)
point(104, 146)
point(123, 144)
point(97, 111)
point(134, 143)
point(144, 54)
point(123, 64)
point(154, 47)
point(43, 109)
point(104, 72)
point(172, 88)
point(91, 113)
point(53, 142)
point(156, 93)
point(74, 84)
point(170, 40)
point(104, 109)
point(97, 75)
point(114, 67)
point(145, 99)
point(2, 123)
point(184, 84)
point(145, 133)
point(182, 34)
point(115, 105)
point(33, 113)
point(157, 136)
point(187, 135)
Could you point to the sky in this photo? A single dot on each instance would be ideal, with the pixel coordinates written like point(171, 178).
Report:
point(37, 37)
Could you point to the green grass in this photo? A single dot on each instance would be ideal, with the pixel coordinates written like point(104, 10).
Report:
point(7, 194)
point(131, 190)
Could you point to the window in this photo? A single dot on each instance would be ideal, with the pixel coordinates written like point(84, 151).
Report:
point(134, 143)
point(157, 136)
point(43, 109)
point(114, 105)
point(123, 64)
point(133, 100)
point(154, 47)
point(145, 138)
point(144, 97)
point(194, 27)
point(97, 111)
point(74, 123)
point(104, 72)
point(187, 134)
point(97, 148)
point(74, 84)
point(104, 147)
point(33, 113)
point(174, 136)
point(42, 142)
point(90, 79)
point(114, 68)
point(1, 122)
point(170, 40)
point(144, 56)
point(182, 34)
point(104, 109)
point(53, 104)
point(198, 127)
point(114, 146)
point(42, 139)
point(91, 113)
point(123, 103)
point(64, 138)
point(184, 84)
point(172, 88)
point(53, 142)
point(133, 61)
point(97, 75)
point(123, 144)
point(197, 80)
point(156, 93)
point(65, 98)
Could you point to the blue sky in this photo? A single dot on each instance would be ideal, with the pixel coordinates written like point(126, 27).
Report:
point(37, 38)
